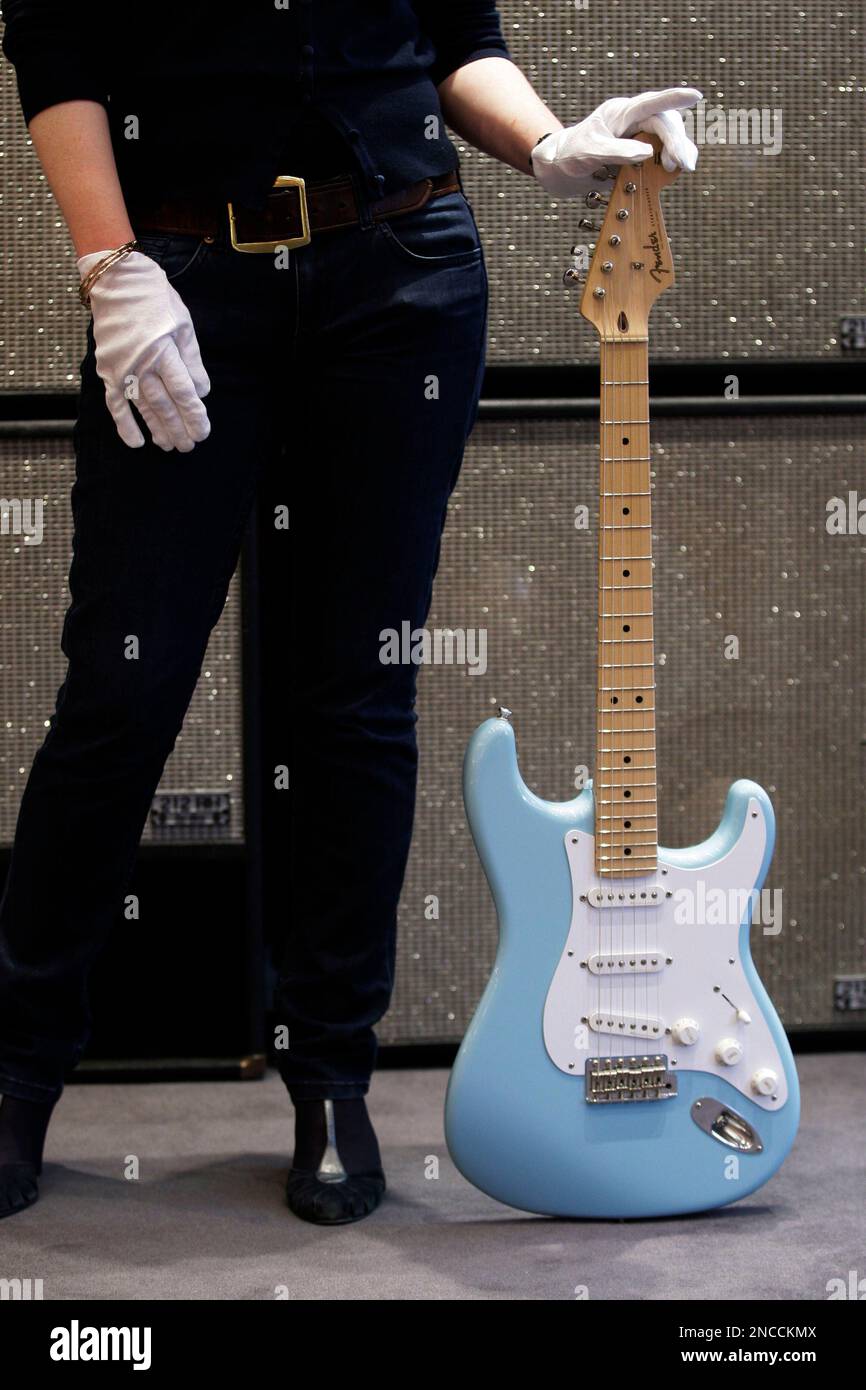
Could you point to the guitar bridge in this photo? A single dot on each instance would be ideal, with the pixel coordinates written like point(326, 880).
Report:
point(610, 1079)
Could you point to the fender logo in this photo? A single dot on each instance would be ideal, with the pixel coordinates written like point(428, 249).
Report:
point(659, 269)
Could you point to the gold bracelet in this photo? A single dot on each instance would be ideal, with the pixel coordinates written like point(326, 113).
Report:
point(100, 268)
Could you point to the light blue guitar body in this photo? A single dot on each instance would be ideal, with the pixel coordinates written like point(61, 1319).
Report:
point(518, 1124)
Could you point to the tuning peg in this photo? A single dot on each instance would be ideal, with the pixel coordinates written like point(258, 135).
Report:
point(605, 173)
point(595, 200)
point(586, 224)
point(574, 277)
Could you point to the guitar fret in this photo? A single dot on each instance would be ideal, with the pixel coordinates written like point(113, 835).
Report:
point(633, 844)
point(615, 737)
point(636, 801)
point(630, 862)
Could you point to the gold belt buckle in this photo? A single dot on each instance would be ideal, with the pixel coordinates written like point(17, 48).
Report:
point(284, 181)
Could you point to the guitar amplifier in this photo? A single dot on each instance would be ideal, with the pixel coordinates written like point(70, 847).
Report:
point(744, 551)
point(191, 877)
point(760, 673)
point(782, 202)
point(200, 799)
point(769, 226)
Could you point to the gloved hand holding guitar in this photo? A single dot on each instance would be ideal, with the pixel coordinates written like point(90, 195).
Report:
point(147, 352)
point(565, 161)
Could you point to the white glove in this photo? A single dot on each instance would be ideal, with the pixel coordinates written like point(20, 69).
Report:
point(565, 161)
point(147, 351)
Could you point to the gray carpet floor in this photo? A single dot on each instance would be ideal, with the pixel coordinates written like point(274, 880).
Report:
point(205, 1218)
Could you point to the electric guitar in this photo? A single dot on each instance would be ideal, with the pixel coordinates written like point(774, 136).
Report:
point(625, 1059)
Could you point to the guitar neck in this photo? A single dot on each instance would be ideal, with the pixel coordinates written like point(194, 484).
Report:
point(626, 826)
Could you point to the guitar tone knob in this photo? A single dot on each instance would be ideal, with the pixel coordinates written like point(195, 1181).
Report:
point(765, 1081)
point(685, 1032)
point(729, 1052)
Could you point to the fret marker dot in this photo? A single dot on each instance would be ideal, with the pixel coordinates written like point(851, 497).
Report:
point(627, 627)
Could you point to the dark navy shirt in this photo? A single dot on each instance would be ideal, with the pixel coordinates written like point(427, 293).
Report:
point(203, 96)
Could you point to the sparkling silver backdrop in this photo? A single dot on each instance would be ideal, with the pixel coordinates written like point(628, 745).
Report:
point(741, 550)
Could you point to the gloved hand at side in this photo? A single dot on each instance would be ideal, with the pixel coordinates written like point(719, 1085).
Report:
point(565, 161)
point(147, 352)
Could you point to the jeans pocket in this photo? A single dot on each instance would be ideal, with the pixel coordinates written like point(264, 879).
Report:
point(177, 253)
point(441, 233)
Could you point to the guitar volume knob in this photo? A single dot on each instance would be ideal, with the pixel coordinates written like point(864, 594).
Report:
point(729, 1052)
point(686, 1032)
point(764, 1081)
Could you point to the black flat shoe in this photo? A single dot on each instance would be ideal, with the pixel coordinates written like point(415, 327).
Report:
point(336, 1175)
point(329, 1202)
point(18, 1187)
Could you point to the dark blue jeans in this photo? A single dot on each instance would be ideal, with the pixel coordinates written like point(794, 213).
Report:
point(362, 362)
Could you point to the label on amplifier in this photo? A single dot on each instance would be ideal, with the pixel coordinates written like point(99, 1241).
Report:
point(189, 815)
point(852, 333)
point(849, 993)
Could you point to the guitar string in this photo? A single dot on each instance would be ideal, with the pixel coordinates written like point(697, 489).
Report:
point(641, 915)
point(618, 410)
point(619, 486)
point(645, 468)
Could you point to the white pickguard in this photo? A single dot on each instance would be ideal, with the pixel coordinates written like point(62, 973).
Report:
point(702, 977)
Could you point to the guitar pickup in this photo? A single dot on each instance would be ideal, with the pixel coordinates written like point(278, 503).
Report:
point(652, 896)
point(626, 1025)
point(650, 963)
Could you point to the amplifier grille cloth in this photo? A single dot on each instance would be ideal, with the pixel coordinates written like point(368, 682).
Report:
point(34, 596)
point(741, 549)
point(772, 244)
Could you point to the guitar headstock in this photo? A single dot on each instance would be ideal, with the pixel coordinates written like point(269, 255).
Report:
point(632, 262)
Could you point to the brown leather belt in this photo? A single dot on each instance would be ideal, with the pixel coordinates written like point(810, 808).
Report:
point(293, 212)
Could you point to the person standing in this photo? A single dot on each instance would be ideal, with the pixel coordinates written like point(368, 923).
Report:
point(237, 317)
